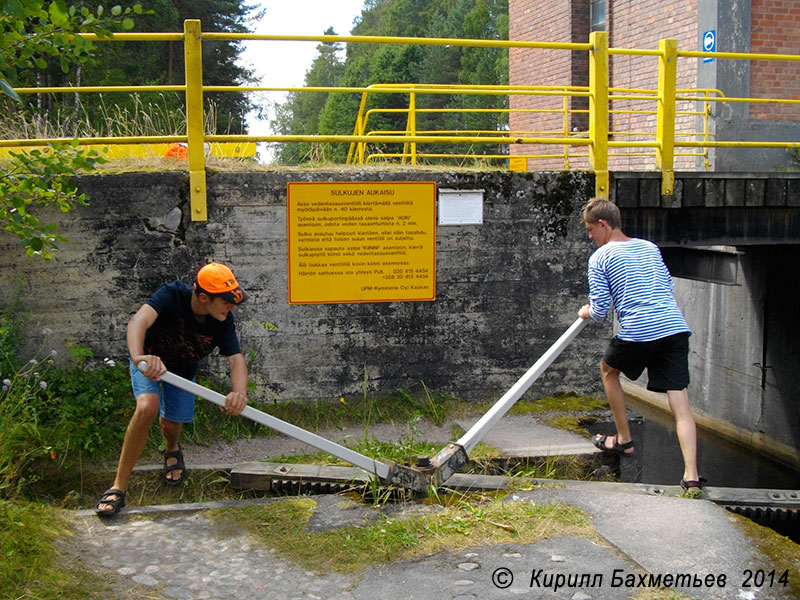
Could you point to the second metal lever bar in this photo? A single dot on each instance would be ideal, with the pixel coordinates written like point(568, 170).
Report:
point(354, 458)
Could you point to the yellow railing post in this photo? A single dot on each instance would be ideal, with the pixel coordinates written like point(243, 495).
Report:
point(565, 131)
point(412, 126)
point(665, 126)
point(598, 111)
point(706, 131)
point(356, 151)
point(192, 47)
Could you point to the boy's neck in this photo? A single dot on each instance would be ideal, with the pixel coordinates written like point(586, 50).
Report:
point(617, 236)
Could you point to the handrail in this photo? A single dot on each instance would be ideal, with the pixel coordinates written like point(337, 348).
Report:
point(599, 141)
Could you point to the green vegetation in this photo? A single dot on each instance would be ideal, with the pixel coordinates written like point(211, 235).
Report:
point(31, 565)
point(37, 36)
point(465, 522)
point(559, 403)
point(367, 64)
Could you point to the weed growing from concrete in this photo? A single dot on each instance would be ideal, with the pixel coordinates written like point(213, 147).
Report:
point(466, 522)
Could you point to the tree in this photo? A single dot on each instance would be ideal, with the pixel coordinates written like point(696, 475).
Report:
point(32, 31)
point(156, 63)
point(367, 64)
point(162, 63)
point(301, 112)
point(33, 34)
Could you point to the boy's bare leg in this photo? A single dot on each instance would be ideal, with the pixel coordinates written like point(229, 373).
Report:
point(687, 431)
point(172, 432)
point(616, 400)
point(135, 438)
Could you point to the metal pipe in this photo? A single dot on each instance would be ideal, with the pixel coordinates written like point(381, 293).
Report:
point(320, 443)
point(471, 438)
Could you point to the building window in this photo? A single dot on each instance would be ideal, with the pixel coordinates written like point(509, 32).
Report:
point(597, 15)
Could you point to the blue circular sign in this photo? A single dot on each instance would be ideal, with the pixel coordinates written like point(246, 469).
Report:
point(709, 41)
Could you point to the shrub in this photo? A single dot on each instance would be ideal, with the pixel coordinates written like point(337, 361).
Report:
point(48, 414)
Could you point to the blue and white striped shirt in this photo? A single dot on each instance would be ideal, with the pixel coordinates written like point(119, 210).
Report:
point(633, 275)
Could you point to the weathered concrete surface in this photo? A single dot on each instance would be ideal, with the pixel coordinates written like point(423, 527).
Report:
point(505, 289)
point(185, 554)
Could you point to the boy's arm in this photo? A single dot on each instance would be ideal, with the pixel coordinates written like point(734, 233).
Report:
point(137, 327)
point(237, 399)
point(599, 295)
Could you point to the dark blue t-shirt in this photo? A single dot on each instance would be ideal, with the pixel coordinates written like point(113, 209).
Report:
point(179, 338)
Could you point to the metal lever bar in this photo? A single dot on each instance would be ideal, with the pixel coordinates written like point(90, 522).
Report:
point(471, 438)
point(354, 458)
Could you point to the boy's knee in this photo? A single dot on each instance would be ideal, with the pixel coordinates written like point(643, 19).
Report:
point(146, 408)
point(608, 371)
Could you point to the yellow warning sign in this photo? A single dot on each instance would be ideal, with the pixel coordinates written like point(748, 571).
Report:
point(361, 242)
point(518, 163)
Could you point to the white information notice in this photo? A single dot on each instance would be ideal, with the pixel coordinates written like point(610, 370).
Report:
point(460, 207)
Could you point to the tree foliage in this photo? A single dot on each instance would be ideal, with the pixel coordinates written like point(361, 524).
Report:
point(42, 178)
point(162, 63)
point(34, 34)
point(141, 63)
point(367, 64)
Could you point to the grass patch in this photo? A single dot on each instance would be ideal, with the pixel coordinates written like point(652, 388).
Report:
point(471, 522)
point(403, 406)
point(559, 403)
point(32, 567)
point(404, 451)
point(65, 490)
point(571, 423)
point(576, 468)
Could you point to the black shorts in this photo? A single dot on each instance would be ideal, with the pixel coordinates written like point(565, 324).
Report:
point(666, 361)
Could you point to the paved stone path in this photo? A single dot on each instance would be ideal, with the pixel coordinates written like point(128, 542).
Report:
point(162, 553)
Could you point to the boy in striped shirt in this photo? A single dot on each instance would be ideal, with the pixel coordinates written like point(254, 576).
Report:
point(653, 334)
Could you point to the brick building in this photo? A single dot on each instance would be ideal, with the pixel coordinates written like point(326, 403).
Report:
point(753, 26)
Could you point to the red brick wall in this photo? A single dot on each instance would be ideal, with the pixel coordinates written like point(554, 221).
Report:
point(541, 21)
point(640, 25)
point(631, 24)
point(775, 29)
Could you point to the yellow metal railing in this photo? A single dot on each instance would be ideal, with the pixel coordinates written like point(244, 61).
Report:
point(596, 141)
point(358, 152)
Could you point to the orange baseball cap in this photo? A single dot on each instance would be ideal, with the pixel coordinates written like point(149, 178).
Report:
point(218, 279)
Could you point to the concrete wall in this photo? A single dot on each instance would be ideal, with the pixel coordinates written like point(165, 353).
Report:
point(745, 348)
point(505, 289)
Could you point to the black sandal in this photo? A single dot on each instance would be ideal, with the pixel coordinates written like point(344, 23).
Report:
point(618, 449)
point(178, 466)
point(116, 503)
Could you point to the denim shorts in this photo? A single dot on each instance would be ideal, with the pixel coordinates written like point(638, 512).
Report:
point(174, 404)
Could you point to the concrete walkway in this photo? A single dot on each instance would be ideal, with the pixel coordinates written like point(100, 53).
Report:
point(649, 535)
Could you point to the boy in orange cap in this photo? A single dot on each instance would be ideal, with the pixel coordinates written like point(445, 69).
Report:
point(179, 325)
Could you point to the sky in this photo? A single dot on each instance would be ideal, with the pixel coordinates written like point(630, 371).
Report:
point(285, 64)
